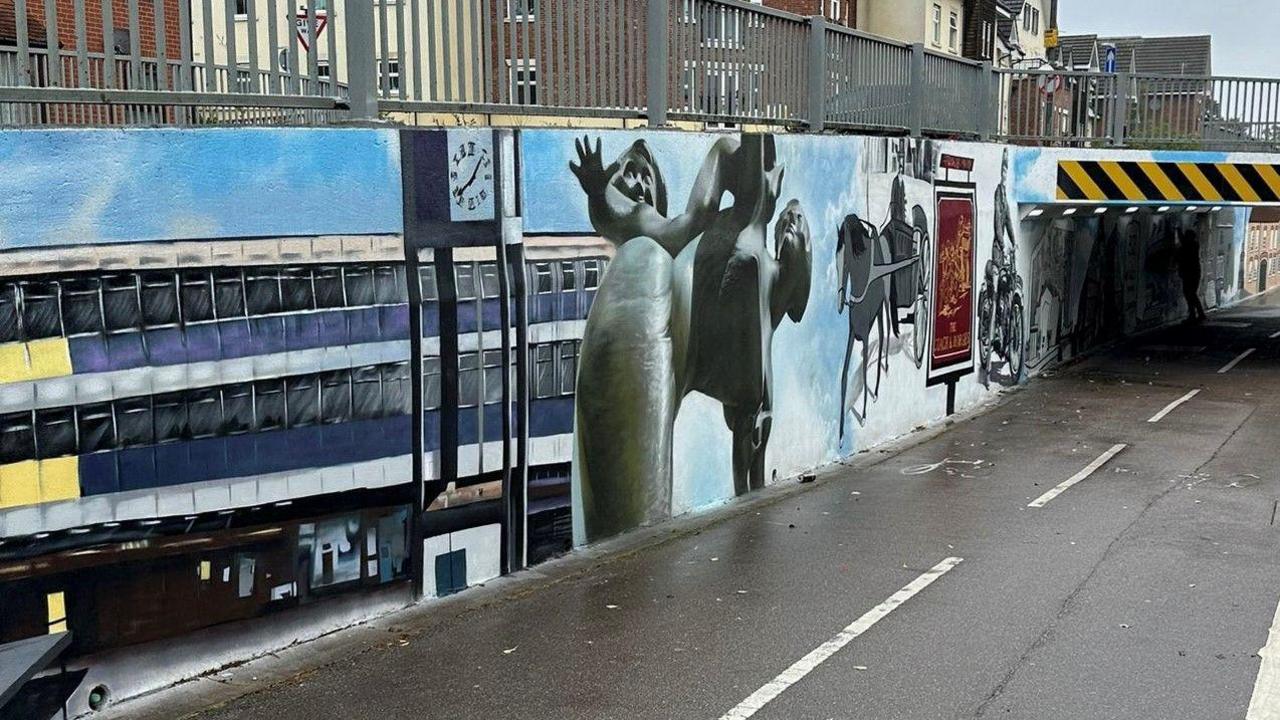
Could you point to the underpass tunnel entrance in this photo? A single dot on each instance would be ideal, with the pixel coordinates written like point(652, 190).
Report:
point(1092, 272)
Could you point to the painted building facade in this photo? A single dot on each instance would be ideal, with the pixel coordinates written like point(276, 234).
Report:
point(257, 384)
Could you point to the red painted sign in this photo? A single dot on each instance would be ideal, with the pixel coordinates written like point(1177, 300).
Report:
point(953, 284)
point(953, 162)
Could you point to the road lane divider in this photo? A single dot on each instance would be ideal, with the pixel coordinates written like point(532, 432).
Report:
point(1227, 368)
point(1173, 406)
point(1088, 470)
point(1274, 335)
point(823, 652)
point(1265, 703)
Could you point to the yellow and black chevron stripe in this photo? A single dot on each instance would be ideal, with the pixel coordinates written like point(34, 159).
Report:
point(1169, 182)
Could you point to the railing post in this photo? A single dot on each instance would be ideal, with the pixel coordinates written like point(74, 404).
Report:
point(362, 67)
point(1120, 109)
point(915, 94)
point(817, 73)
point(657, 57)
point(987, 97)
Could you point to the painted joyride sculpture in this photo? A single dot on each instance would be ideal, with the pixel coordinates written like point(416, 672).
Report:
point(689, 304)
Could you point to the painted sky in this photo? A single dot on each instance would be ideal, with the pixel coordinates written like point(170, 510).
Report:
point(1243, 30)
point(73, 187)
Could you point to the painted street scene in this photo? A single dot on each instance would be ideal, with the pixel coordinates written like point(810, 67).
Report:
point(865, 359)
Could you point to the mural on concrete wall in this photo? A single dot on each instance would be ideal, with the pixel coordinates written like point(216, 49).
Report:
point(1001, 302)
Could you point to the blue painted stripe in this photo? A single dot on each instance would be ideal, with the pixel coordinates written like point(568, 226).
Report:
point(224, 458)
point(551, 416)
point(240, 338)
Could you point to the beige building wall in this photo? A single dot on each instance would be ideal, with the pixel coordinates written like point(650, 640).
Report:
point(1033, 42)
point(913, 21)
point(461, 45)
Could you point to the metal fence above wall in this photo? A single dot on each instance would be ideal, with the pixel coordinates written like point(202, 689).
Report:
point(201, 62)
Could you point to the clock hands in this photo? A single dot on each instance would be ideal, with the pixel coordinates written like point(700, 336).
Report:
point(474, 174)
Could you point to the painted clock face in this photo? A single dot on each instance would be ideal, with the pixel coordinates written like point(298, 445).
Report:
point(470, 178)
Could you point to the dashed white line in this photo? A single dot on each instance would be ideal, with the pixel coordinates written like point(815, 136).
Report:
point(1088, 470)
point(1172, 406)
point(1265, 703)
point(1275, 335)
point(823, 652)
point(1227, 368)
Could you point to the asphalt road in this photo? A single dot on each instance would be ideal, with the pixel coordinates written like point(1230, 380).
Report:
point(1144, 591)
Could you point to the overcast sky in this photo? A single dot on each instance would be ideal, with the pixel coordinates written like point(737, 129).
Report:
point(1244, 31)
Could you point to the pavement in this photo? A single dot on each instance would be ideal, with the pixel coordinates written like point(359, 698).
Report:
point(1145, 590)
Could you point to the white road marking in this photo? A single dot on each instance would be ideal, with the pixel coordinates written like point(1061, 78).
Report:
point(1227, 324)
point(1265, 704)
point(823, 652)
point(1088, 470)
point(1227, 368)
point(1172, 406)
point(1275, 335)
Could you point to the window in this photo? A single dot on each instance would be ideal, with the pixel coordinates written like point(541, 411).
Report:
point(204, 412)
point(40, 314)
point(97, 428)
point(568, 366)
point(335, 397)
point(953, 32)
point(242, 7)
point(1035, 21)
point(590, 274)
point(82, 306)
point(521, 9)
point(302, 395)
point(9, 313)
point(389, 285)
point(228, 294)
point(465, 274)
point(492, 376)
point(568, 280)
point(237, 409)
point(468, 379)
point(396, 391)
point(389, 75)
point(358, 282)
point(197, 297)
point(524, 82)
point(427, 283)
point(268, 404)
point(366, 393)
point(489, 280)
point(55, 432)
point(133, 422)
point(544, 365)
point(296, 290)
point(328, 287)
point(262, 292)
point(17, 440)
point(170, 417)
point(430, 382)
point(834, 10)
point(937, 25)
point(542, 278)
point(159, 299)
point(322, 69)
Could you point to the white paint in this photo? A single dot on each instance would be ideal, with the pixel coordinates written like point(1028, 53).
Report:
point(1173, 406)
point(823, 652)
point(1088, 470)
point(1275, 335)
point(1265, 704)
point(1227, 368)
point(1228, 324)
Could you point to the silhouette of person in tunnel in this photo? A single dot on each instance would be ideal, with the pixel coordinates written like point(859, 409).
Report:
point(1189, 271)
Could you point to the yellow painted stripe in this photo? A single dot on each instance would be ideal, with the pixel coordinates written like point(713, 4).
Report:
point(1201, 183)
point(20, 484)
point(32, 482)
point(1238, 183)
point(1270, 176)
point(1062, 194)
point(36, 360)
point(1083, 181)
point(1122, 181)
point(1167, 189)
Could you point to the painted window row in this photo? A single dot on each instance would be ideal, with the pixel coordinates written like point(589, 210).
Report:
point(338, 396)
point(555, 369)
point(565, 275)
point(89, 304)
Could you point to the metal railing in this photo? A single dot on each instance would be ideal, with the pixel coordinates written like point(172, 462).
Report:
point(1090, 109)
point(195, 62)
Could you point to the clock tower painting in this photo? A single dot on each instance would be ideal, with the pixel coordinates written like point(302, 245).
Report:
point(471, 174)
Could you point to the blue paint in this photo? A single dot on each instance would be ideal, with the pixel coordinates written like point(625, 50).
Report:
point(80, 187)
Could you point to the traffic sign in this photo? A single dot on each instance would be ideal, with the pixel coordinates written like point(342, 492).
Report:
point(304, 30)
